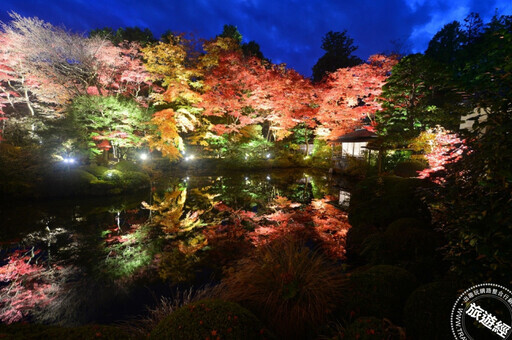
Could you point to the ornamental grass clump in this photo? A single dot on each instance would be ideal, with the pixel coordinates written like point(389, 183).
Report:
point(289, 286)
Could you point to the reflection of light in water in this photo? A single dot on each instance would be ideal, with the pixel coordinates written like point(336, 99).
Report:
point(118, 219)
point(344, 198)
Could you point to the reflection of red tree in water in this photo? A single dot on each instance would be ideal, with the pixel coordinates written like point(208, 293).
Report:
point(25, 285)
point(319, 221)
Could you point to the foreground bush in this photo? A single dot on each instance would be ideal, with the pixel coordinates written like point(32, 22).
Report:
point(210, 319)
point(288, 285)
point(409, 244)
point(427, 311)
point(371, 328)
point(30, 331)
point(378, 201)
point(379, 291)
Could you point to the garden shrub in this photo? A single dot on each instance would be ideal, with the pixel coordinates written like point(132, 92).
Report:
point(379, 201)
point(405, 245)
point(112, 176)
point(287, 285)
point(133, 181)
point(379, 291)
point(210, 319)
point(357, 167)
point(96, 170)
point(427, 311)
point(33, 331)
point(354, 240)
point(371, 328)
point(409, 168)
point(125, 166)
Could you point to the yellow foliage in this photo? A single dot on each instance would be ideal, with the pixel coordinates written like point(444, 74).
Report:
point(214, 48)
point(166, 139)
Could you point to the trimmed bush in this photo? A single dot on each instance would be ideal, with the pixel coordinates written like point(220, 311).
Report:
point(96, 170)
point(125, 166)
point(287, 285)
point(31, 331)
point(112, 176)
point(409, 168)
point(379, 201)
point(371, 328)
point(354, 241)
point(379, 291)
point(427, 311)
point(210, 319)
point(407, 246)
point(133, 181)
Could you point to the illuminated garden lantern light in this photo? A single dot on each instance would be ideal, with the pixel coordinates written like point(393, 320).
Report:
point(143, 156)
point(189, 158)
point(268, 155)
point(268, 177)
point(68, 160)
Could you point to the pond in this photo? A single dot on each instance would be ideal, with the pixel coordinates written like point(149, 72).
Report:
point(100, 260)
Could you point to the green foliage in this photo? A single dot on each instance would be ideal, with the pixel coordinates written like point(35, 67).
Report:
point(112, 176)
point(122, 34)
point(322, 154)
point(289, 286)
point(231, 31)
point(447, 44)
point(371, 328)
point(210, 319)
point(378, 201)
point(473, 205)
point(419, 94)
point(178, 267)
point(96, 170)
point(134, 252)
point(357, 167)
point(427, 311)
point(114, 120)
point(392, 158)
point(379, 291)
point(126, 166)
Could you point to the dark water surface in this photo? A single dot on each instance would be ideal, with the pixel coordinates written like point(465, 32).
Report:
point(85, 254)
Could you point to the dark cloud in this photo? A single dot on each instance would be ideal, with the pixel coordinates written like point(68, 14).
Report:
point(288, 31)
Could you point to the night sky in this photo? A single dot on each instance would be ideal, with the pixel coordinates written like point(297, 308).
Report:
point(288, 31)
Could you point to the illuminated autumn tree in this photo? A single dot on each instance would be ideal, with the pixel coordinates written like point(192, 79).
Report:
point(351, 94)
point(108, 123)
point(173, 65)
point(242, 91)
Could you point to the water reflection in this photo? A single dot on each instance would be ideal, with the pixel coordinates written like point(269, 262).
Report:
point(99, 260)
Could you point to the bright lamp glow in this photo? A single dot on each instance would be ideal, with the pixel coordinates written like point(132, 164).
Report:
point(143, 156)
point(268, 155)
point(189, 157)
point(68, 160)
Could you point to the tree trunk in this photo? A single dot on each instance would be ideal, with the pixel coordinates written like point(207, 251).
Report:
point(307, 140)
